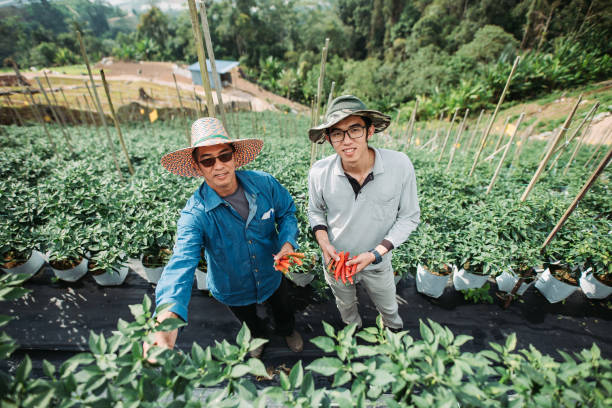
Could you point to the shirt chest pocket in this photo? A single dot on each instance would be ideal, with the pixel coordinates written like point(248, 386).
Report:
point(264, 222)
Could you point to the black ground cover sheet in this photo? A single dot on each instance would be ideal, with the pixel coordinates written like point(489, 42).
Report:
point(54, 320)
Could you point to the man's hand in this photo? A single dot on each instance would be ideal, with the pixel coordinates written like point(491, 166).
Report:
point(362, 260)
point(329, 252)
point(162, 339)
point(285, 249)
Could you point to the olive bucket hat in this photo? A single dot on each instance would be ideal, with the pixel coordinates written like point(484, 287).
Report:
point(342, 107)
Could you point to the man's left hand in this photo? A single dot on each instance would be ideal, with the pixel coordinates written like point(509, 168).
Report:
point(362, 260)
point(285, 249)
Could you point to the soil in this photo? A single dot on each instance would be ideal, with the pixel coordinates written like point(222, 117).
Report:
point(606, 279)
point(445, 272)
point(157, 258)
point(65, 264)
point(13, 259)
point(563, 274)
point(91, 267)
point(475, 269)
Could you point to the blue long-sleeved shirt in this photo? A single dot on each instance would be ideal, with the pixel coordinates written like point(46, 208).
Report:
point(239, 253)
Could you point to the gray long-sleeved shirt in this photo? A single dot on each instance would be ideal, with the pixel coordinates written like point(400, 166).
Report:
point(385, 208)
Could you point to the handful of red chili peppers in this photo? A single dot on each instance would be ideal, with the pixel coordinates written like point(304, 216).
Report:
point(340, 270)
point(284, 263)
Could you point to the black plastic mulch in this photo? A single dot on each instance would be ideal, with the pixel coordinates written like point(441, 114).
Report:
point(53, 322)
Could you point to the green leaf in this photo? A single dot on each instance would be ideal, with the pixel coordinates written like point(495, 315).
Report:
point(462, 339)
point(256, 367)
point(325, 365)
point(24, 370)
point(146, 303)
point(284, 381)
point(329, 330)
point(239, 370)
point(244, 336)
point(341, 378)
point(380, 378)
point(511, 342)
point(324, 343)
point(48, 368)
point(296, 375)
point(426, 332)
point(169, 324)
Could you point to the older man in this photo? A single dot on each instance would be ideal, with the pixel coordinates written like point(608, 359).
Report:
point(362, 200)
point(234, 217)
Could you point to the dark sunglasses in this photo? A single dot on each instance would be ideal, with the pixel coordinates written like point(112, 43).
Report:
point(223, 157)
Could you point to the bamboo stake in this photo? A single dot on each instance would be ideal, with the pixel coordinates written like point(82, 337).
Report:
point(492, 155)
point(15, 113)
point(600, 168)
point(501, 161)
point(501, 135)
point(98, 105)
point(114, 115)
point(74, 120)
point(82, 117)
point(583, 136)
point(490, 125)
point(54, 113)
point(213, 64)
point(331, 95)
point(435, 136)
point(603, 142)
point(41, 119)
point(197, 35)
point(550, 151)
point(523, 142)
point(447, 135)
point(473, 135)
point(178, 93)
point(90, 113)
point(315, 117)
point(57, 104)
point(412, 120)
point(457, 139)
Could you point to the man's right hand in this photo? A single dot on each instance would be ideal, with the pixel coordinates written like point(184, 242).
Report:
point(161, 338)
point(329, 252)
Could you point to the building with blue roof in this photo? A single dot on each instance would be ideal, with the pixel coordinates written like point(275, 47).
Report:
point(223, 72)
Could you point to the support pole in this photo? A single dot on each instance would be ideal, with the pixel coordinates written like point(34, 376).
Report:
point(178, 93)
point(473, 135)
point(583, 136)
point(20, 121)
point(501, 161)
point(114, 115)
point(454, 147)
point(315, 114)
point(600, 168)
point(550, 151)
point(72, 117)
point(213, 64)
point(98, 105)
point(57, 104)
point(41, 119)
point(412, 120)
point(447, 135)
point(501, 135)
point(197, 35)
point(596, 151)
point(54, 113)
point(90, 113)
point(490, 125)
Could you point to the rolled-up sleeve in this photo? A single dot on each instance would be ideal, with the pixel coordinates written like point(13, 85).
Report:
point(316, 205)
point(176, 281)
point(284, 210)
point(409, 212)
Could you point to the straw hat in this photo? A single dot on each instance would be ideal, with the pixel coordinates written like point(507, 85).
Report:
point(209, 132)
point(342, 107)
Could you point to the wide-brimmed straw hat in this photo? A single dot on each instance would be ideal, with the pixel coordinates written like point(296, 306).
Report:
point(209, 132)
point(342, 107)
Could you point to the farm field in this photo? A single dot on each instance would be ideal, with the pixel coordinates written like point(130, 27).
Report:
point(70, 204)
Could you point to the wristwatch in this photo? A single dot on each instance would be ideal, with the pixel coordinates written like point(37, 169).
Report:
point(377, 257)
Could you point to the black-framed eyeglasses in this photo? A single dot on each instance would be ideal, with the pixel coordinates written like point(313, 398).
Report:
point(223, 157)
point(354, 132)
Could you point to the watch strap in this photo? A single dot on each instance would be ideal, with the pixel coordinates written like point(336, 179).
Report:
point(377, 257)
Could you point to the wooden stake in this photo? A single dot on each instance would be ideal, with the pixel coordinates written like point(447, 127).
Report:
point(457, 139)
point(315, 118)
point(583, 136)
point(488, 130)
point(57, 104)
point(603, 142)
point(54, 113)
point(98, 105)
point(72, 117)
point(197, 35)
point(178, 93)
point(15, 113)
point(90, 113)
point(114, 115)
point(412, 120)
point(41, 119)
point(600, 168)
point(501, 161)
point(501, 136)
point(550, 151)
point(473, 135)
point(213, 64)
point(447, 135)
point(523, 142)
point(82, 117)
point(331, 95)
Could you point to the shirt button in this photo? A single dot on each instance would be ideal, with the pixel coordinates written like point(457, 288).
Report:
point(250, 242)
point(257, 283)
point(257, 270)
point(253, 257)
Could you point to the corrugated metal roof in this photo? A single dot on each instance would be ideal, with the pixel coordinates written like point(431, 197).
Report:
point(223, 66)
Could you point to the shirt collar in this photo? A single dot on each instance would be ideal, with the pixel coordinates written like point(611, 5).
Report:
point(379, 168)
point(212, 200)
